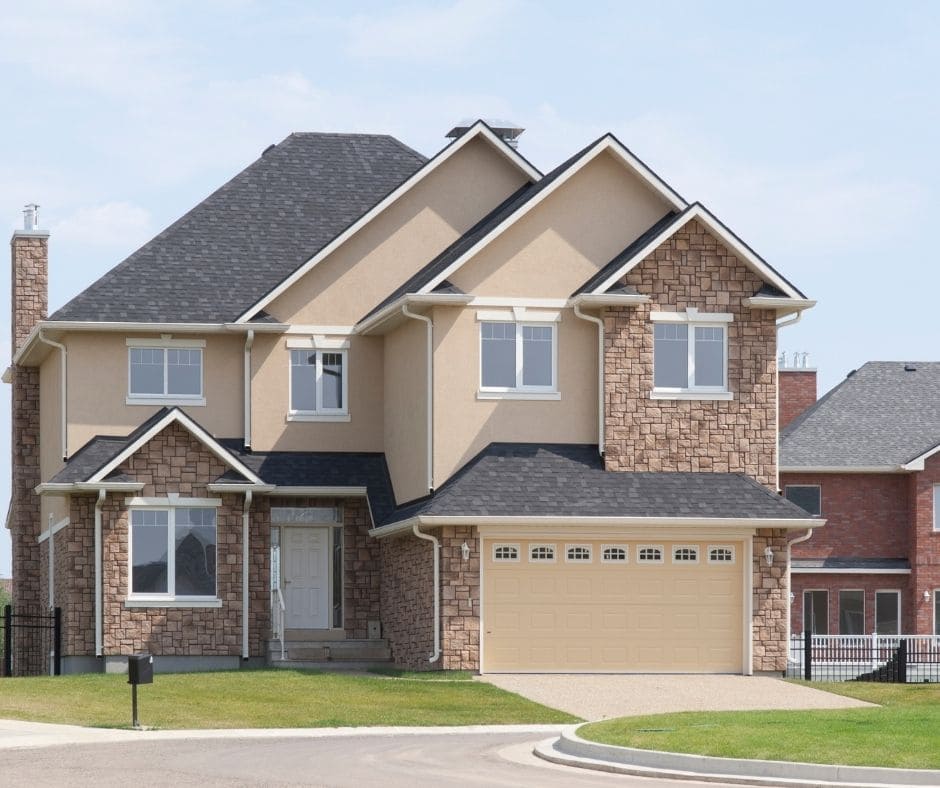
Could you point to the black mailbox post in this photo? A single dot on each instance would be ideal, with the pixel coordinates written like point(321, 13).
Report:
point(139, 671)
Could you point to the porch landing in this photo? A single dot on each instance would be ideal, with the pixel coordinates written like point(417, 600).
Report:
point(329, 654)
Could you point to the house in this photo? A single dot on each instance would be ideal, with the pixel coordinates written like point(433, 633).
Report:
point(865, 457)
point(451, 411)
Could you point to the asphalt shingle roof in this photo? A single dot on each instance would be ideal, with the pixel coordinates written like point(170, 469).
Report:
point(216, 261)
point(861, 564)
point(519, 479)
point(880, 415)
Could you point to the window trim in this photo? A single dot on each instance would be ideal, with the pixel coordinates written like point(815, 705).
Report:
point(728, 547)
point(519, 391)
point(165, 344)
point(513, 545)
point(662, 554)
point(538, 545)
point(839, 608)
point(696, 548)
point(320, 414)
point(169, 599)
point(579, 546)
point(816, 591)
point(693, 319)
point(626, 553)
point(897, 594)
point(817, 486)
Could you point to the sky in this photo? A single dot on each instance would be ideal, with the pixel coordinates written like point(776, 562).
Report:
point(809, 128)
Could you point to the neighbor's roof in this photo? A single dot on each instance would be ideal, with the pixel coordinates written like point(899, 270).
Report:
point(240, 242)
point(569, 480)
point(881, 415)
point(860, 565)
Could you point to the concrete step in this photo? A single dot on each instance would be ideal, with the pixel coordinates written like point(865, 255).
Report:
point(353, 666)
point(330, 651)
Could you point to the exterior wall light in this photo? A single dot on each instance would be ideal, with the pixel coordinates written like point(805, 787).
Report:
point(926, 595)
point(768, 555)
point(465, 551)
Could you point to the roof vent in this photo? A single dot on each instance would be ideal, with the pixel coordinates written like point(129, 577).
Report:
point(910, 368)
point(506, 130)
point(31, 218)
point(851, 372)
point(267, 150)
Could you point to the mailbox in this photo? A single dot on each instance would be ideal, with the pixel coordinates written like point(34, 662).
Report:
point(140, 669)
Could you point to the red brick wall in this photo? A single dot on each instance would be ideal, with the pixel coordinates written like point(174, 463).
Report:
point(797, 393)
point(866, 515)
point(925, 544)
point(835, 583)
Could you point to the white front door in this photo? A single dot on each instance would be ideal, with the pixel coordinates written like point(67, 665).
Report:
point(307, 577)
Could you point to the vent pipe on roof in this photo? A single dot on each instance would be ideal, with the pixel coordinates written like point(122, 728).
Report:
point(31, 218)
point(506, 130)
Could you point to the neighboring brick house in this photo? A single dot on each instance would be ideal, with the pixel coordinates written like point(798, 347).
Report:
point(866, 457)
point(360, 404)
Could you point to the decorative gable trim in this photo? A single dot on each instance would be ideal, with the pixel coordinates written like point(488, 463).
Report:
point(477, 130)
point(607, 143)
point(917, 464)
point(179, 417)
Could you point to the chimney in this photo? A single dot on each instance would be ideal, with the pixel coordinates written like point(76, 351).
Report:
point(797, 386)
point(29, 290)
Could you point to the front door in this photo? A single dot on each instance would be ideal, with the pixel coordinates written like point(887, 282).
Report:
point(307, 577)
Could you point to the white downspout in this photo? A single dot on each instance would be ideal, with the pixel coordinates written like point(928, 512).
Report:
point(600, 374)
point(63, 362)
point(430, 362)
point(436, 654)
point(249, 341)
point(797, 540)
point(245, 518)
point(791, 322)
point(51, 573)
point(99, 635)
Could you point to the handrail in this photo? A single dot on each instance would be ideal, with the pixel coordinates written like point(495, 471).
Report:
point(279, 617)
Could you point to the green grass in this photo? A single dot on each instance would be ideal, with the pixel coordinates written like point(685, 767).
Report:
point(904, 732)
point(423, 675)
point(266, 699)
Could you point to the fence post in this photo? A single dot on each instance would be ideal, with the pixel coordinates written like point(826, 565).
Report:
point(57, 643)
point(902, 661)
point(808, 655)
point(7, 640)
point(874, 651)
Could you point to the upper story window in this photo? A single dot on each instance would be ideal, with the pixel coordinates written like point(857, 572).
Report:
point(518, 359)
point(936, 507)
point(690, 355)
point(165, 371)
point(318, 382)
point(809, 497)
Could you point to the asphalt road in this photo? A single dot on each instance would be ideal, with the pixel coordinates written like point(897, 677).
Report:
point(389, 761)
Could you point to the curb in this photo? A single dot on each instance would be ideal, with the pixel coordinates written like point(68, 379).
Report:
point(571, 750)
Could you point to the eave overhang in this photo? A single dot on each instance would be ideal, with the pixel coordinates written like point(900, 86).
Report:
point(389, 316)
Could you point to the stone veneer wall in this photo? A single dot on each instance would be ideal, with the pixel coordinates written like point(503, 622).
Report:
point(691, 269)
point(460, 598)
point(407, 600)
point(771, 603)
point(75, 577)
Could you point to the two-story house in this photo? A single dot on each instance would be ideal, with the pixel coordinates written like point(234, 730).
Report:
point(451, 409)
point(866, 457)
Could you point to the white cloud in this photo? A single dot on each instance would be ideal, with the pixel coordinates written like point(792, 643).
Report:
point(113, 224)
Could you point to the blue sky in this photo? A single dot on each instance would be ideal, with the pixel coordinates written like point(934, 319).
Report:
point(809, 128)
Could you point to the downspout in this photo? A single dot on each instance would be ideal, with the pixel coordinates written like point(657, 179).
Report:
point(50, 575)
point(791, 322)
point(249, 341)
point(63, 361)
point(245, 518)
point(600, 374)
point(436, 654)
point(99, 635)
point(797, 540)
point(430, 395)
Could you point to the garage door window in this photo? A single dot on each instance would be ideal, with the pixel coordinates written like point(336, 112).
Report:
point(685, 554)
point(578, 553)
point(720, 554)
point(613, 554)
point(505, 552)
point(542, 553)
point(649, 554)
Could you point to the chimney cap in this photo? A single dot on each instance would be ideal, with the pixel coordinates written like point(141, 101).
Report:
point(508, 131)
point(31, 221)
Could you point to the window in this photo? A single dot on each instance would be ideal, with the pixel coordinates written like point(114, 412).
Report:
point(541, 552)
point(173, 552)
point(806, 496)
point(816, 612)
point(690, 355)
point(649, 554)
point(685, 554)
point(517, 357)
point(317, 383)
point(578, 553)
point(936, 612)
point(936, 507)
point(613, 554)
point(888, 612)
point(720, 554)
point(851, 612)
point(505, 552)
point(164, 373)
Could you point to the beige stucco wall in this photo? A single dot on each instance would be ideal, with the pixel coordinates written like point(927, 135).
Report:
point(562, 242)
point(270, 393)
point(97, 390)
point(342, 288)
point(406, 409)
point(463, 424)
point(50, 414)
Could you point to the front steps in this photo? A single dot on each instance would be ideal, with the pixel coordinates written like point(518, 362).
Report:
point(300, 652)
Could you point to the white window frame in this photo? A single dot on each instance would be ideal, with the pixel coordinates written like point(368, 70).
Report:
point(817, 486)
point(693, 319)
point(170, 599)
point(641, 547)
point(545, 546)
point(694, 547)
point(626, 553)
point(503, 545)
point(936, 507)
point(320, 414)
point(521, 318)
point(166, 343)
point(839, 608)
point(728, 547)
point(897, 594)
point(588, 560)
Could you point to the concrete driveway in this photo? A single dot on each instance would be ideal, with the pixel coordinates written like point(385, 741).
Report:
point(598, 697)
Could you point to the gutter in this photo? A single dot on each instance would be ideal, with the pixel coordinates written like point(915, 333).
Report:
point(430, 390)
point(99, 633)
point(601, 393)
point(365, 325)
point(436, 654)
point(249, 341)
point(245, 519)
point(63, 371)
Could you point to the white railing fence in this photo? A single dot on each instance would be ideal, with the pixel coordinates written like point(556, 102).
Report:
point(871, 657)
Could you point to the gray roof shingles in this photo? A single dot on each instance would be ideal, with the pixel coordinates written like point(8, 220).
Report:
point(880, 415)
point(523, 479)
point(861, 564)
point(228, 252)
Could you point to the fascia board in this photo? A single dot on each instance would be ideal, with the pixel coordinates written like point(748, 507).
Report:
point(780, 304)
point(478, 130)
point(351, 491)
point(239, 487)
point(917, 464)
point(393, 309)
point(843, 469)
point(607, 299)
point(820, 570)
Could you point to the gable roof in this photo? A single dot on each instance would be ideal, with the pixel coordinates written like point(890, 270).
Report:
point(218, 259)
point(569, 480)
point(881, 416)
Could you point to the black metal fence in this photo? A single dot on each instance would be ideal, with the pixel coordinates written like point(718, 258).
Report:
point(31, 643)
point(885, 658)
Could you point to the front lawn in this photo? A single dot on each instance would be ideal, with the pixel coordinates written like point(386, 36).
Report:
point(904, 732)
point(266, 699)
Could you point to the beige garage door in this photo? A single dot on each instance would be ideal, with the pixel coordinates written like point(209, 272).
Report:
point(606, 605)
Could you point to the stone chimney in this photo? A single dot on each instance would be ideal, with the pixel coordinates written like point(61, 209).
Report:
point(29, 290)
point(797, 386)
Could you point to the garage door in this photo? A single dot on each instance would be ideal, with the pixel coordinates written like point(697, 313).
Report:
point(602, 605)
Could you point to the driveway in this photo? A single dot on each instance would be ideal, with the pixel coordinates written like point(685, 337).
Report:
point(598, 697)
